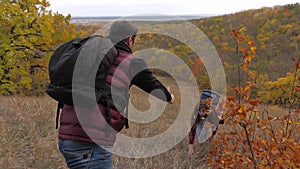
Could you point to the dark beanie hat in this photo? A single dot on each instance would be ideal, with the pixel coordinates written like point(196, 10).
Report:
point(120, 30)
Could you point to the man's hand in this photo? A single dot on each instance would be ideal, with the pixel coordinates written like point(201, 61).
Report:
point(191, 151)
point(172, 96)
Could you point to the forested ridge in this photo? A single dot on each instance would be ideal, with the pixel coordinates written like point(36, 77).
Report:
point(276, 35)
point(275, 31)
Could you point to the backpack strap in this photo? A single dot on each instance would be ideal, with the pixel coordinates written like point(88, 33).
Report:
point(126, 112)
point(108, 114)
point(126, 118)
point(60, 105)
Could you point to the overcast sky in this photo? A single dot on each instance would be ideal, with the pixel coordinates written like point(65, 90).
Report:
point(166, 7)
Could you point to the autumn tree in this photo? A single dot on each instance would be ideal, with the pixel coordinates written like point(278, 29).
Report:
point(29, 34)
point(201, 74)
point(245, 50)
point(253, 136)
point(279, 91)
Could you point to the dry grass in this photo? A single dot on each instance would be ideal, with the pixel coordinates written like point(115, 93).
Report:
point(28, 134)
point(29, 138)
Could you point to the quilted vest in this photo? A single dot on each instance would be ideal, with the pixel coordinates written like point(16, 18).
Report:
point(91, 126)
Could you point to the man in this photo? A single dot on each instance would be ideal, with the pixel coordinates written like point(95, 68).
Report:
point(87, 145)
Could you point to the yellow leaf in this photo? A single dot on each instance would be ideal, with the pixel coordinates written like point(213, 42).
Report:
point(253, 49)
point(248, 58)
point(250, 42)
point(245, 66)
point(247, 89)
point(241, 109)
point(149, 35)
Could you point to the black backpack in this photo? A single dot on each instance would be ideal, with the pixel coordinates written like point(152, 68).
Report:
point(78, 71)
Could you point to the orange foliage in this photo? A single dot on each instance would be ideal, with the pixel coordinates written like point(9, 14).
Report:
point(297, 88)
point(198, 68)
point(254, 102)
point(255, 137)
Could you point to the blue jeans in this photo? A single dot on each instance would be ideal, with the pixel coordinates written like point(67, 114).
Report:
point(200, 125)
point(83, 155)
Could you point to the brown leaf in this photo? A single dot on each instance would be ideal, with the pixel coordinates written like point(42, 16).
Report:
point(296, 66)
point(286, 117)
point(293, 58)
point(238, 89)
point(244, 50)
point(297, 88)
point(231, 98)
point(270, 118)
point(254, 102)
point(235, 33)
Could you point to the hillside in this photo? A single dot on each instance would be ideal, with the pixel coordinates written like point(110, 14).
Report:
point(275, 31)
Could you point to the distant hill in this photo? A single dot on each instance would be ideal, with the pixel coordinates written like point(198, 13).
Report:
point(276, 32)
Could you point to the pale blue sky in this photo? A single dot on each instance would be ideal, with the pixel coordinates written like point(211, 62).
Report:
point(166, 7)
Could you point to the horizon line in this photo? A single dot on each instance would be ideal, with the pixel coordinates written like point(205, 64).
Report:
point(197, 15)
